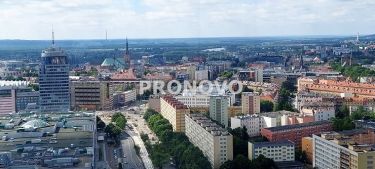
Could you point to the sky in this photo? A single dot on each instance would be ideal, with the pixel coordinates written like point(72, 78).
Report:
point(89, 19)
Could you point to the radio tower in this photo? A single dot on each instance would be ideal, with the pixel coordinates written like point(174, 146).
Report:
point(127, 55)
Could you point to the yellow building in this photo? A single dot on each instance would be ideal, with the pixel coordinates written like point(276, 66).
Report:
point(215, 142)
point(174, 111)
point(307, 147)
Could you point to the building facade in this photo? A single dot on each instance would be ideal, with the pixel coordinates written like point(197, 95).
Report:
point(219, 109)
point(296, 132)
point(174, 111)
point(277, 151)
point(54, 81)
point(250, 103)
point(335, 150)
point(214, 141)
point(89, 95)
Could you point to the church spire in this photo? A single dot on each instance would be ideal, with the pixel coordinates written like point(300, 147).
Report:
point(127, 54)
point(127, 47)
point(53, 37)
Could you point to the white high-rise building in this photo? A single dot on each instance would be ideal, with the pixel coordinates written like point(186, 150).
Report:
point(219, 109)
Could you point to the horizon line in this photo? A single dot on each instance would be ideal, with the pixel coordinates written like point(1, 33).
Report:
point(207, 37)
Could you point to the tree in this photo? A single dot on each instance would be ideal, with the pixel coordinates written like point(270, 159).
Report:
point(284, 101)
point(345, 123)
point(35, 87)
point(342, 112)
point(119, 166)
point(240, 141)
point(149, 113)
point(158, 156)
point(99, 123)
point(262, 162)
point(241, 161)
point(266, 106)
point(300, 156)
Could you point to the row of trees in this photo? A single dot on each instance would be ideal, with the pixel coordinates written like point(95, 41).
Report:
point(175, 146)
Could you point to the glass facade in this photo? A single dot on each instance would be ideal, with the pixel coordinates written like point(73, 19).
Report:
point(54, 81)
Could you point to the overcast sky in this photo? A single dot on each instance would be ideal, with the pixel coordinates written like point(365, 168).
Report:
point(88, 19)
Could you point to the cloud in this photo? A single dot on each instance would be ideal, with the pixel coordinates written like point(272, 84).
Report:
point(87, 19)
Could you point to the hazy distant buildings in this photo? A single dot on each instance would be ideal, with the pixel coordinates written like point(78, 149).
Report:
point(54, 80)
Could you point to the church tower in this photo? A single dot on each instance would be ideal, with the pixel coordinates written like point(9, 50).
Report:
point(127, 54)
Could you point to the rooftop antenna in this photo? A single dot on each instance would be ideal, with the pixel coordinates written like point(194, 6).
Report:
point(357, 36)
point(106, 35)
point(53, 37)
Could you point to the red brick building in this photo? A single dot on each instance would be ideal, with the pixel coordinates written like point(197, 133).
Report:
point(296, 132)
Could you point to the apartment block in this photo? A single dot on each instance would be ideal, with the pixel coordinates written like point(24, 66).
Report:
point(219, 109)
point(296, 132)
point(154, 103)
point(194, 100)
point(340, 88)
point(307, 147)
point(250, 103)
point(90, 95)
point(343, 150)
point(174, 111)
point(319, 110)
point(214, 141)
point(277, 151)
point(254, 123)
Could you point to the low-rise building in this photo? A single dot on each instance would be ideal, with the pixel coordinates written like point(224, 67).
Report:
point(277, 151)
point(214, 141)
point(319, 110)
point(254, 123)
point(296, 132)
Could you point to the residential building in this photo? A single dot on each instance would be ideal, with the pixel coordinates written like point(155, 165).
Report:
point(343, 150)
point(123, 98)
point(219, 109)
point(307, 147)
point(201, 75)
point(296, 132)
point(319, 110)
point(174, 111)
point(254, 123)
point(339, 88)
point(54, 81)
point(198, 100)
point(154, 103)
point(15, 96)
point(277, 151)
point(250, 103)
point(89, 95)
point(214, 141)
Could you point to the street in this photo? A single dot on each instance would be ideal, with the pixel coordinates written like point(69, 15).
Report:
point(130, 157)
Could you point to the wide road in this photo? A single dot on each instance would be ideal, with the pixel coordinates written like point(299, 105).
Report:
point(128, 150)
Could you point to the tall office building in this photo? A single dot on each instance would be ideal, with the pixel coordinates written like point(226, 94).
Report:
point(54, 80)
point(219, 109)
point(250, 103)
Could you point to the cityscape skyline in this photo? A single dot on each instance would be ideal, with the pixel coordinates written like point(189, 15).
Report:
point(83, 19)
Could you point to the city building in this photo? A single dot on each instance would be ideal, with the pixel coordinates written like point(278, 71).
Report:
point(121, 99)
point(319, 110)
point(15, 96)
point(68, 144)
point(54, 80)
point(250, 103)
point(89, 95)
point(254, 123)
point(154, 103)
point(277, 151)
point(219, 109)
point(345, 89)
point(347, 149)
point(307, 147)
point(174, 111)
point(201, 75)
point(198, 100)
point(214, 141)
point(296, 132)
